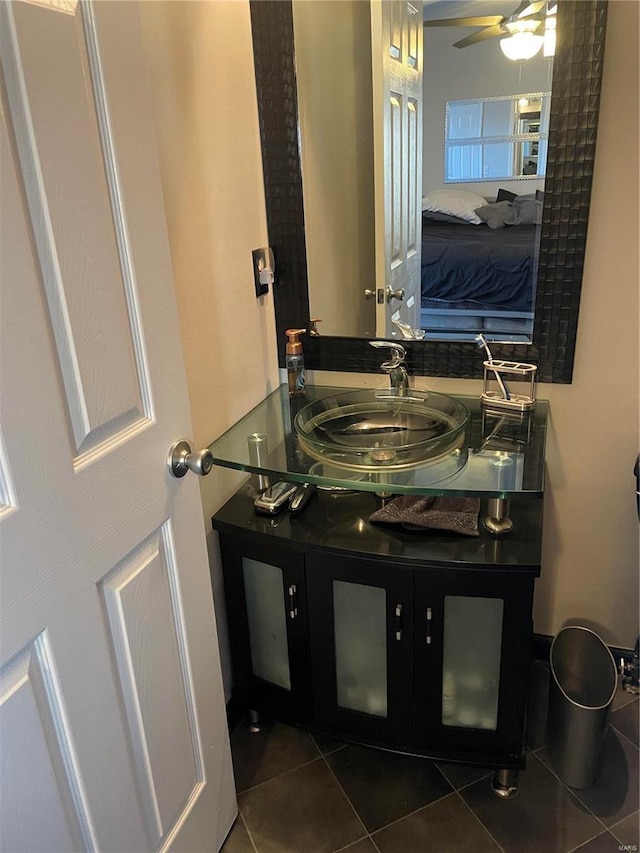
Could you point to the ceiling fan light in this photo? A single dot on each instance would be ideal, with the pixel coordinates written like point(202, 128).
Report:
point(550, 36)
point(521, 46)
point(526, 25)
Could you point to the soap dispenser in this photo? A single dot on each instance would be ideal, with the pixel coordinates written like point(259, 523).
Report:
point(295, 362)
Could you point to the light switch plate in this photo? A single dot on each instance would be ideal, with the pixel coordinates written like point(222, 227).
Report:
point(263, 270)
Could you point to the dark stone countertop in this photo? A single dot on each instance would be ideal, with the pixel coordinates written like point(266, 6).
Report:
point(339, 523)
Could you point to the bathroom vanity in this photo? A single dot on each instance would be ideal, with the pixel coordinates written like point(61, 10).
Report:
point(411, 640)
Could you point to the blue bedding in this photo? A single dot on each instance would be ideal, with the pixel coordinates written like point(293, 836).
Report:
point(494, 268)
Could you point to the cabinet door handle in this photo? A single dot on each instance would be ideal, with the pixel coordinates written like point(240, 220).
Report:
point(429, 616)
point(293, 601)
point(398, 621)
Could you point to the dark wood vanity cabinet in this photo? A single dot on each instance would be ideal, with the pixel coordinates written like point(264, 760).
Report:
point(419, 642)
point(266, 600)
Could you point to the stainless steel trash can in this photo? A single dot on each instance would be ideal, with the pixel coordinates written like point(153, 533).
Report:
point(581, 690)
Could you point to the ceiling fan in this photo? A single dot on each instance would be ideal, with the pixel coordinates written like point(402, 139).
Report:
point(529, 17)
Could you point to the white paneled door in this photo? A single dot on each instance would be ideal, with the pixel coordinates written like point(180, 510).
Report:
point(112, 720)
point(396, 48)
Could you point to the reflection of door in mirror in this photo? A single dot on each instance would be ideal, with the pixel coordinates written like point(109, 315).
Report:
point(396, 59)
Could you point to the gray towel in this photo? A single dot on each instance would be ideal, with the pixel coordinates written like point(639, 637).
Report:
point(458, 515)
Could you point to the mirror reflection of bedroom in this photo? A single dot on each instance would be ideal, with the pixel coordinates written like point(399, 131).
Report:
point(484, 141)
point(486, 119)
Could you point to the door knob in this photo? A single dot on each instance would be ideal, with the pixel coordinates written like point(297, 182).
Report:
point(369, 294)
point(183, 459)
point(395, 294)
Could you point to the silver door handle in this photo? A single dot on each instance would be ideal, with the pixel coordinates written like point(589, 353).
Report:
point(293, 601)
point(395, 294)
point(182, 459)
point(379, 295)
point(398, 625)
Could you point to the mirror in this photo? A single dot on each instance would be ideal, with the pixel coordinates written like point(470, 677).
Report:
point(501, 138)
point(572, 126)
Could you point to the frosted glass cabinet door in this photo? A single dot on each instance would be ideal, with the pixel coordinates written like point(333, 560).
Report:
point(361, 643)
point(472, 658)
point(360, 637)
point(471, 661)
point(266, 616)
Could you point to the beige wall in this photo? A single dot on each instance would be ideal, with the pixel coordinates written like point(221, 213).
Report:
point(202, 79)
point(200, 61)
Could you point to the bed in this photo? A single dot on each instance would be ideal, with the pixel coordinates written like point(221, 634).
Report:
point(477, 277)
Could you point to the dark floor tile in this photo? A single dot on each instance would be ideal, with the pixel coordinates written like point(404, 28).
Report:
point(304, 811)
point(260, 756)
point(544, 816)
point(384, 786)
point(364, 846)
point(444, 827)
point(628, 830)
point(537, 705)
point(327, 744)
point(614, 795)
point(459, 775)
point(603, 843)
point(622, 698)
point(627, 720)
point(238, 840)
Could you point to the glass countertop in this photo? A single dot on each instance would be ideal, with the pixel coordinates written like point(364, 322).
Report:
point(503, 455)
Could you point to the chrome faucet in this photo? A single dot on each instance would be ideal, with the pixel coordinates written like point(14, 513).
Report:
point(395, 366)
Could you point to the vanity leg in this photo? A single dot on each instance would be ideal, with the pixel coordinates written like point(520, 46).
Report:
point(497, 520)
point(505, 783)
point(254, 721)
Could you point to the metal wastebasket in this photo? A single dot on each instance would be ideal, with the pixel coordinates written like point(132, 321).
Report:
point(582, 686)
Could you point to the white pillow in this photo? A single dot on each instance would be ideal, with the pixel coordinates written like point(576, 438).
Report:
point(460, 203)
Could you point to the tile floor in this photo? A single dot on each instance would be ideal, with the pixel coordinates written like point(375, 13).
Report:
point(300, 794)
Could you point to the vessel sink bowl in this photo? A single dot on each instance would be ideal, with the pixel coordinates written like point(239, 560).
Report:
point(376, 429)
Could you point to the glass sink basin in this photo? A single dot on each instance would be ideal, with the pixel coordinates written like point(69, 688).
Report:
point(384, 429)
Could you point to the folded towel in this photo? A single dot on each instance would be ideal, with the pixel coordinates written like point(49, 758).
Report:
point(458, 515)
